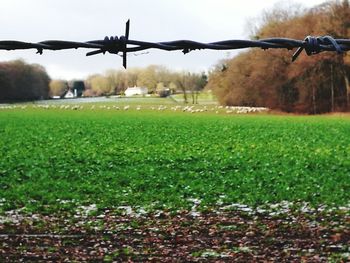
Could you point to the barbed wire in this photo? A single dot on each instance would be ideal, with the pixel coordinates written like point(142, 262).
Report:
point(116, 45)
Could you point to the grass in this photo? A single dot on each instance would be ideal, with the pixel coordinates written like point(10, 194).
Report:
point(53, 160)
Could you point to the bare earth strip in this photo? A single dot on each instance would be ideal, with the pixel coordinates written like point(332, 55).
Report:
point(217, 236)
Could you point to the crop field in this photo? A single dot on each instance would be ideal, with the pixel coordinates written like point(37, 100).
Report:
point(94, 165)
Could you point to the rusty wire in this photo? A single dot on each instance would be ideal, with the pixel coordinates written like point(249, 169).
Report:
point(116, 45)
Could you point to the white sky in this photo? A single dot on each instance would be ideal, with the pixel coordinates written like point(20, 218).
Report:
point(151, 20)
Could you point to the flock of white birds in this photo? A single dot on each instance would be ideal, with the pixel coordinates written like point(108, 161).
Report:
point(188, 109)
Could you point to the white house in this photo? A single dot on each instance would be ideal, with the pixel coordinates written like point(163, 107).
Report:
point(69, 95)
point(135, 91)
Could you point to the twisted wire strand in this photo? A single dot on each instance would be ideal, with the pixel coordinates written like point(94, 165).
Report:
point(114, 45)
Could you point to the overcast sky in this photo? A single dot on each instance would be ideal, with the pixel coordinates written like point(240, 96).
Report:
point(151, 20)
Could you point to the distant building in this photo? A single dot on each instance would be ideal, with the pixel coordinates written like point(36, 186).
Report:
point(74, 89)
point(135, 91)
point(69, 95)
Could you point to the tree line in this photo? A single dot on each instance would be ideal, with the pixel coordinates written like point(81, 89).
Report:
point(267, 78)
point(316, 84)
point(22, 81)
point(158, 79)
point(154, 77)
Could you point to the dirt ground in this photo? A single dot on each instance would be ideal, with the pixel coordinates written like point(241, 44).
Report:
point(187, 236)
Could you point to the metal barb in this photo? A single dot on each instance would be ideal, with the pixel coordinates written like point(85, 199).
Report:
point(127, 31)
point(114, 45)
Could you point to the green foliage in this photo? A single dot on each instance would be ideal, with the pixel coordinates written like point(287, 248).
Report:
point(159, 160)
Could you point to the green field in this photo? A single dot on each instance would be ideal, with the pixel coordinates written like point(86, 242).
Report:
point(53, 160)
